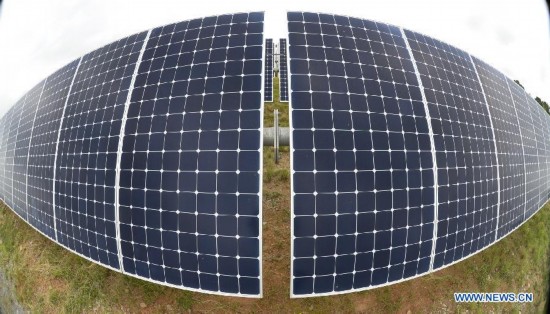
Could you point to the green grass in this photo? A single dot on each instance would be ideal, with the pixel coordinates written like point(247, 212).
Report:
point(50, 279)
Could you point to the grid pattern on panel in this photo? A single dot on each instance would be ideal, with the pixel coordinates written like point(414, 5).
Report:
point(528, 132)
point(4, 142)
point(539, 122)
point(362, 169)
point(15, 118)
point(268, 77)
point(545, 161)
point(190, 168)
point(509, 147)
point(87, 151)
point(22, 145)
point(283, 71)
point(465, 151)
point(42, 149)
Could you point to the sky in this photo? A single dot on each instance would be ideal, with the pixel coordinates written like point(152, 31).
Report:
point(38, 37)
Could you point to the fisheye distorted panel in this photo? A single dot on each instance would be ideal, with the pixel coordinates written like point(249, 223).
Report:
point(464, 147)
point(11, 134)
point(268, 77)
point(528, 131)
point(22, 142)
point(509, 146)
point(190, 167)
point(363, 181)
point(283, 71)
point(87, 151)
point(42, 148)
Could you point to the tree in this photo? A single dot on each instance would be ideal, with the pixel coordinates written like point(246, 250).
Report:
point(517, 82)
point(543, 104)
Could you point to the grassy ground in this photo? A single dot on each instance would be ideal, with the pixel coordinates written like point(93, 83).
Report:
point(50, 279)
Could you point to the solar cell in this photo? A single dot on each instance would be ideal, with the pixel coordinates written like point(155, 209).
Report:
point(84, 191)
point(362, 168)
point(283, 71)
point(268, 78)
point(190, 165)
point(45, 132)
point(509, 147)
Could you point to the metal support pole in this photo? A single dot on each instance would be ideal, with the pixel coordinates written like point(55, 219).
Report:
point(276, 139)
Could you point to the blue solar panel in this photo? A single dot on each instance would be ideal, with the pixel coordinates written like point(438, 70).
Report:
point(268, 78)
point(190, 168)
point(283, 71)
point(24, 133)
point(11, 134)
point(3, 154)
point(528, 131)
point(378, 115)
point(509, 147)
point(43, 142)
point(465, 150)
point(87, 151)
point(363, 201)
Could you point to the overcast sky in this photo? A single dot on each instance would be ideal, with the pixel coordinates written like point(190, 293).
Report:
point(37, 37)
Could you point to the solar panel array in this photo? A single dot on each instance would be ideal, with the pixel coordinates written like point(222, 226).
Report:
point(144, 155)
point(268, 78)
point(408, 154)
point(283, 71)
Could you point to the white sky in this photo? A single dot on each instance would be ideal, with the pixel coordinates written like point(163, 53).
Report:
point(38, 37)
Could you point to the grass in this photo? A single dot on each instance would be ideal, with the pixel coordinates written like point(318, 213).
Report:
point(50, 279)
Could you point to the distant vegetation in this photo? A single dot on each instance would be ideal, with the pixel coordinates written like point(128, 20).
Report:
point(541, 102)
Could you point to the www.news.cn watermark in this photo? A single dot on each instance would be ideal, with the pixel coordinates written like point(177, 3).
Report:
point(484, 297)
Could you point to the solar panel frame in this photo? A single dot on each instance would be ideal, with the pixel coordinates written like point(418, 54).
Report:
point(157, 58)
point(268, 65)
point(283, 70)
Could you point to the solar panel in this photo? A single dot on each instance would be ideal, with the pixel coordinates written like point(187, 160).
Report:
point(468, 187)
point(24, 133)
point(283, 71)
point(190, 169)
point(528, 132)
point(42, 149)
point(3, 150)
point(268, 79)
point(540, 123)
point(363, 180)
point(144, 156)
point(11, 134)
point(509, 147)
point(378, 114)
point(84, 191)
